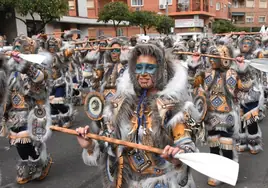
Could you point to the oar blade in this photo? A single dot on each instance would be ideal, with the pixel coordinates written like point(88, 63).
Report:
point(260, 64)
point(34, 58)
point(211, 165)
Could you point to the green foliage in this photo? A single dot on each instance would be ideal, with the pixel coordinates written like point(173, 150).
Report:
point(48, 10)
point(164, 24)
point(144, 19)
point(223, 26)
point(116, 12)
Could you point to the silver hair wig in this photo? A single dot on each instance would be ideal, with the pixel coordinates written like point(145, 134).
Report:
point(3, 78)
point(253, 47)
point(147, 50)
point(108, 52)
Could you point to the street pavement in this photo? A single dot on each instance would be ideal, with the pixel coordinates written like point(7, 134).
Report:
point(69, 171)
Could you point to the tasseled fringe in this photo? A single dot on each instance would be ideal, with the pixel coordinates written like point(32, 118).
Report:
point(20, 140)
point(120, 172)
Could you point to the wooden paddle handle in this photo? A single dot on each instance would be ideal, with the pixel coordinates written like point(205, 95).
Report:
point(206, 55)
point(103, 48)
point(110, 140)
point(239, 33)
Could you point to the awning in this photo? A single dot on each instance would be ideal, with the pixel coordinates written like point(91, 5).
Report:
point(238, 14)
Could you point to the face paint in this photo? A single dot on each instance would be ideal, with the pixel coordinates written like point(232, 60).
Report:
point(115, 53)
point(246, 45)
point(146, 68)
point(103, 44)
point(143, 68)
point(116, 50)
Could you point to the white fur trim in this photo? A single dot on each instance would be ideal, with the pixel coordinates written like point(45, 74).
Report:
point(177, 86)
point(124, 84)
point(92, 160)
point(171, 179)
point(48, 120)
point(188, 107)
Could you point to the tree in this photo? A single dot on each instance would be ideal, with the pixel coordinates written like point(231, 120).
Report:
point(144, 19)
point(164, 24)
point(223, 26)
point(117, 12)
point(48, 11)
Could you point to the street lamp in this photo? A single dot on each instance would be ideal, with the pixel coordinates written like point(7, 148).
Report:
point(166, 7)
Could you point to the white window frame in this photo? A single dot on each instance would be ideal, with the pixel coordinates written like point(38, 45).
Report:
point(218, 6)
point(262, 17)
point(251, 17)
point(90, 7)
point(211, 3)
point(137, 5)
point(262, 1)
point(247, 4)
point(72, 7)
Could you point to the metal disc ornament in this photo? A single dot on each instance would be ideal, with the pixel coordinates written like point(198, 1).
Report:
point(94, 104)
point(201, 105)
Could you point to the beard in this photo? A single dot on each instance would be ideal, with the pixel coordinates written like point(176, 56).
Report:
point(146, 81)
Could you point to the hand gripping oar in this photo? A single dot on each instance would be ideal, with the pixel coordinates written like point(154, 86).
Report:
point(214, 166)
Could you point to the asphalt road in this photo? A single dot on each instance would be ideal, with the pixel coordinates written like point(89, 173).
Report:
point(69, 171)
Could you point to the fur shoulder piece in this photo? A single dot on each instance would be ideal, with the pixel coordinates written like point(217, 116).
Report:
point(3, 78)
point(92, 56)
point(125, 85)
point(177, 86)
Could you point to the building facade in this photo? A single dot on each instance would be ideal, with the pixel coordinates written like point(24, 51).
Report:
point(192, 17)
point(250, 13)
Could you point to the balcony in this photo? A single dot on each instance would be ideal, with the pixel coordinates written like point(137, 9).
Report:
point(192, 5)
point(239, 22)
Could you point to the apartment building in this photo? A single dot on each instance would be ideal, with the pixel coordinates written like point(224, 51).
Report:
point(192, 17)
point(249, 13)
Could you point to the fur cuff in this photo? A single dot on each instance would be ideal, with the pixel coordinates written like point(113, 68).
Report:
point(92, 160)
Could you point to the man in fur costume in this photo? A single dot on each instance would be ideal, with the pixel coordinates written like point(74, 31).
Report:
point(62, 89)
point(251, 96)
point(27, 112)
point(191, 45)
point(148, 111)
point(221, 118)
point(203, 49)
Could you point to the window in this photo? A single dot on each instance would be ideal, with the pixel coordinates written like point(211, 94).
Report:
point(120, 32)
point(262, 19)
point(250, 3)
point(71, 4)
point(211, 3)
point(249, 19)
point(183, 5)
point(218, 6)
point(90, 3)
point(263, 4)
point(136, 2)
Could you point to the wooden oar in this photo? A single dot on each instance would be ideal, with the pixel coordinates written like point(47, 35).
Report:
point(215, 166)
point(102, 48)
point(239, 33)
point(206, 55)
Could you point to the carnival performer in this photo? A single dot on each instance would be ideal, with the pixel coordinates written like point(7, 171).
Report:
point(251, 97)
point(62, 111)
point(133, 41)
point(168, 42)
point(191, 45)
point(221, 119)
point(4, 73)
point(203, 49)
point(27, 113)
point(148, 111)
